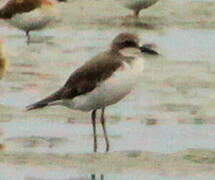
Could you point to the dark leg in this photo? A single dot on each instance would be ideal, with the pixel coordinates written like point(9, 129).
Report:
point(136, 13)
point(93, 177)
point(27, 33)
point(94, 130)
point(102, 177)
point(104, 129)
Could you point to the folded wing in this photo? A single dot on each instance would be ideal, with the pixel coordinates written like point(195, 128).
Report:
point(13, 7)
point(84, 79)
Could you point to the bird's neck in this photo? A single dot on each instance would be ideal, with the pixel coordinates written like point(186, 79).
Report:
point(134, 58)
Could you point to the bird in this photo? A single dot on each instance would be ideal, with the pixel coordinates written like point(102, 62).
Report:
point(29, 15)
point(102, 81)
point(3, 60)
point(137, 5)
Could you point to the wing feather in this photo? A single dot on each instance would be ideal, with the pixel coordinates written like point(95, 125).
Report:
point(84, 79)
point(13, 7)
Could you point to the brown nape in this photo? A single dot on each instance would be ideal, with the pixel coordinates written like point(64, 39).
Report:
point(124, 40)
point(13, 7)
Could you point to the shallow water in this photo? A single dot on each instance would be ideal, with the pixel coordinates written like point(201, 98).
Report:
point(163, 130)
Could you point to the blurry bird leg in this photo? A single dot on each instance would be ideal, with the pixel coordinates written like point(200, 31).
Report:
point(27, 33)
point(136, 13)
point(102, 119)
point(93, 177)
point(93, 116)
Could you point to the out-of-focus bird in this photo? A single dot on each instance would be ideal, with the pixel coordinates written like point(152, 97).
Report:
point(29, 15)
point(137, 5)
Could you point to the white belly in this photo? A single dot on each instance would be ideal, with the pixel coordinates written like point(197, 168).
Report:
point(34, 20)
point(138, 4)
point(112, 90)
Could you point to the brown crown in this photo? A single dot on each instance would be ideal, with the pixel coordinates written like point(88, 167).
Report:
point(124, 40)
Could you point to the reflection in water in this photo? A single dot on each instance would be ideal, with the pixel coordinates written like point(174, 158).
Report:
point(93, 177)
point(138, 24)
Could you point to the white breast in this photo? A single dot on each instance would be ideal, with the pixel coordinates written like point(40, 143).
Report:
point(111, 90)
point(34, 20)
point(138, 4)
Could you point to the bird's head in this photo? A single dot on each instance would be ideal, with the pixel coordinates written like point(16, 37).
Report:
point(125, 40)
point(128, 45)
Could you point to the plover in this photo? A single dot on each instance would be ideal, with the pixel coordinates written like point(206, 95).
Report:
point(102, 81)
point(3, 59)
point(29, 15)
point(137, 5)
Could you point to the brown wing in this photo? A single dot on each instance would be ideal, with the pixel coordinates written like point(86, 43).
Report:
point(85, 79)
point(13, 7)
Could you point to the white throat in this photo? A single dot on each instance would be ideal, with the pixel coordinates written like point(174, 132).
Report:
point(131, 52)
point(136, 58)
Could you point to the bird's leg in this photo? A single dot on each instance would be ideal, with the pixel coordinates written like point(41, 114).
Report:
point(27, 33)
point(94, 130)
point(104, 129)
point(136, 13)
point(93, 177)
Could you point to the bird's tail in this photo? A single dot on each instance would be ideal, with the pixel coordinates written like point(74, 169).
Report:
point(44, 102)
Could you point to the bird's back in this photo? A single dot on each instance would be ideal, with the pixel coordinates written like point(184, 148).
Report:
point(84, 79)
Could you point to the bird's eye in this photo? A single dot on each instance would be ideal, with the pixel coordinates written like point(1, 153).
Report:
point(129, 44)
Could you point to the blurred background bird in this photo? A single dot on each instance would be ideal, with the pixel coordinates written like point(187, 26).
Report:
point(137, 5)
point(29, 15)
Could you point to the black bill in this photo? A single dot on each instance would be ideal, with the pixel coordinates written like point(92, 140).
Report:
point(146, 48)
